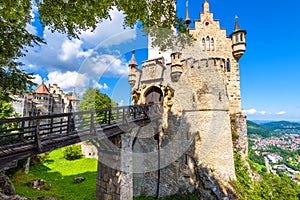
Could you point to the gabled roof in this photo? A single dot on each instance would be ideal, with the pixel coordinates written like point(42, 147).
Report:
point(42, 89)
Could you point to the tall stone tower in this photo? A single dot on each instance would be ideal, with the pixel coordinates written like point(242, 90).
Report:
point(198, 89)
point(212, 42)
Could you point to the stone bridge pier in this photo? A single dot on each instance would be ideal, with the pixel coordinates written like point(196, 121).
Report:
point(115, 177)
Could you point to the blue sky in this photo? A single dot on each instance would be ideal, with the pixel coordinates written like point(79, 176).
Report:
point(270, 70)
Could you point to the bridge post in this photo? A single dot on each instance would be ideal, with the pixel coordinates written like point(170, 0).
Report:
point(37, 136)
point(126, 187)
point(115, 178)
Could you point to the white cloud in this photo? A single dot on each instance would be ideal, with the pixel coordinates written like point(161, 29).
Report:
point(253, 111)
point(68, 80)
point(37, 79)
point(99, 86)
point(105, 65)
point(29, 27)
point(262, 112)
point(109, 32)
point(71, 49)
point(250, 111)
point(281, 113)
point(62, 54)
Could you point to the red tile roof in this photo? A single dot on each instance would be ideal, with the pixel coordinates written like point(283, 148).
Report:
point(42, 89)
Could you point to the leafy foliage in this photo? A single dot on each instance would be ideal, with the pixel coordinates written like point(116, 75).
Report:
point(14, 39)
point(72, 152)
point(158, 18)
point(6, 111)
point(93, 99)
point(71, 17)
point(271, 187)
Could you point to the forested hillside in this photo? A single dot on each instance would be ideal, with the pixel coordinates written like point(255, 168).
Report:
point(283, 126)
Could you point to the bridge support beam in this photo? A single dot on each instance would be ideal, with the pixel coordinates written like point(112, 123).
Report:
point(115, 178)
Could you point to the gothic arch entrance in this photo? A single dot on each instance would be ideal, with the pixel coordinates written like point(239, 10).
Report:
point(154, 96)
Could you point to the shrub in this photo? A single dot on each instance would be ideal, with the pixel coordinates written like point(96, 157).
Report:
point(72, 152)
point(235, 135)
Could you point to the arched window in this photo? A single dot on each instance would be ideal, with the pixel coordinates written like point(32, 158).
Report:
point(207, 43)
point(241, 37)
point(206, 62)
point(203, 45)
point(212, 44)
point(228, 65)
point(236, 38)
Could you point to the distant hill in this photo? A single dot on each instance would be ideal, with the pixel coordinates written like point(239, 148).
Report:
point(283, 126)
point(256, 129)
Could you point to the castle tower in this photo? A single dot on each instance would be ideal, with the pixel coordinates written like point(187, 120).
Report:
point(213, 42)
point(74, 101)
point(238, 40)
point(199, 89)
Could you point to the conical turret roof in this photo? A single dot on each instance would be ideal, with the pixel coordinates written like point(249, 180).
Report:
point(237, 26)
point(133, 60)
point(187, 20)
point(74, 95)
point(42, 89)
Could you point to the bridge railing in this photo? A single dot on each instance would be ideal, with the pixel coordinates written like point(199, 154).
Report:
point(36, 130)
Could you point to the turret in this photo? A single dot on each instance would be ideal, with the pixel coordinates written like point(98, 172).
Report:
point(176, 66)
point(133, 69)
point(238, 40)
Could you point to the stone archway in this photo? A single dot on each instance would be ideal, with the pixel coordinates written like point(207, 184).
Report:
point(154, 95)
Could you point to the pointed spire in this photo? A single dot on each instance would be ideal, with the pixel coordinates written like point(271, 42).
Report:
point(133, 60)
point(237, 26)
point(74, 95)
point(187, 20)
point(205, 7)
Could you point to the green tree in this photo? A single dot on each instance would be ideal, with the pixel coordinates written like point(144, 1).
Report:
point(14, 16)
point(7, 110)
point(71, 17)
point(93, 99)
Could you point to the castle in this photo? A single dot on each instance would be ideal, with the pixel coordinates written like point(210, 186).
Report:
point(46, 100)
point(199, 89)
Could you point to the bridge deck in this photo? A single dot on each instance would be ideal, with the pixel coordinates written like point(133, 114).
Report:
point(23, 137)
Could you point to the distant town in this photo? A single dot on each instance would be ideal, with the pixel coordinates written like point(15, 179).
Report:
point(280, 153)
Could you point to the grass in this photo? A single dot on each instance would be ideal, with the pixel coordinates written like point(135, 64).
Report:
point(59, 172)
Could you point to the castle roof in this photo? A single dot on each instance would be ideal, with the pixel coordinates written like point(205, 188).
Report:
point(74, 95)
point(187, 20)
point(237, 26)
point(133, 60)
point(42, 89)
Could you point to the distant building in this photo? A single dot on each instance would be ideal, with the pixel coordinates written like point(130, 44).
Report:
point(46, 100)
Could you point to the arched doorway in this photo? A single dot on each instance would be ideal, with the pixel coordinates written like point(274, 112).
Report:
point(154, 96)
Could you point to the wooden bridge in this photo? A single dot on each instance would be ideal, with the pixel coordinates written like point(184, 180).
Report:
point(24, 137)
